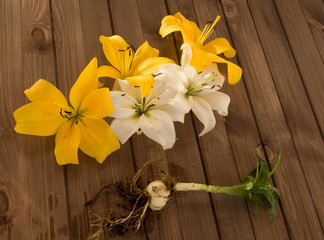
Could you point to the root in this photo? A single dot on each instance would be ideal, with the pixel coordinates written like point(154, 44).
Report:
point(132, 218)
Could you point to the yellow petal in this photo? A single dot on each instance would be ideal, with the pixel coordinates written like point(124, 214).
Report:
point(108, 71)
point(100, 84)
point(145, 51)
point(86, 83)
point(98, 139)
point(189, 29)
point(146, 82)
point(43, 90)
point(169, 24)
point(112, 47)
point(97, 104)
point(200, 59)
point(67, 142)
point(218, 46)
point(149, 65)
point(41, 118)
point(234, 71)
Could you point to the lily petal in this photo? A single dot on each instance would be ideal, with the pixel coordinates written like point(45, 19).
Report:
point(169, 24)
point(86, 83)
point(214, 83)
point(145, 82)
point(97, 104)
point(167, 86)
point(177, 108)
point(41, 118)
point(143, 52)
point(178, 22)
point(111, 47)
point(218, 46)
point(172, 73)
point(122, 104)
point(43, 90)
point(158, 126)
point(234, 71)
point(125, 128)
point(200, 59)
point(203, 112)
point(67, 142)
point(133, 90)
point(98, 139)
point(108, 71)
point(218, 101)
point(149, 65)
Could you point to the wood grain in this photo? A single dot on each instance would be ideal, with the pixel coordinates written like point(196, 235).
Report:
point(299, 116)
point(278, 105)
point(35, 183)
point(308, 59)
point(165, 225)
point(271, 121)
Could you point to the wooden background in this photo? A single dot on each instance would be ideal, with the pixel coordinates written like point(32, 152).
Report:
point(278, 105)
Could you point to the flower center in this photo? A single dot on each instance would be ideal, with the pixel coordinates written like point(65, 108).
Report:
point(126, 58)
point(208, 30)
point(70, 114)
point(143, 107)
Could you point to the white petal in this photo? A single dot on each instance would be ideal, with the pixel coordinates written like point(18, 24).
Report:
point(158, 126)
point(204, 113)
point(125, 128)
point(134, 91)
point(211, 70)
point(177, 108)
point(123, 104)
point(186, 54)
point(218, 101)
point(167, 84)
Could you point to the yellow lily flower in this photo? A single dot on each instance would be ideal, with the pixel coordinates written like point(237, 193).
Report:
point(202, 54)
point(134, 67)
point(80, 126)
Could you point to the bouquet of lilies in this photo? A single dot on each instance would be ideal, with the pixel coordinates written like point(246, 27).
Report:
point(149, 94)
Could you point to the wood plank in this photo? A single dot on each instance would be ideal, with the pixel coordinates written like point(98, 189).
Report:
point(166, 225)
point(271, 121)
point(95, 18)
point(300, 119)
point(184, 158)
point(235, 146)
point(313, 11)
point(85, 180)
point(36, 197)
point(233, 222)
point(151, 13)
point(305, 51)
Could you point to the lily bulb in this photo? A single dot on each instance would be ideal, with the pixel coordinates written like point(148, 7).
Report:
point(159, 195)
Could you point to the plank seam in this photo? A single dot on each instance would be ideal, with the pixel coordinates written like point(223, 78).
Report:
point(301, 76)
point(67, 199)
point(292, 138)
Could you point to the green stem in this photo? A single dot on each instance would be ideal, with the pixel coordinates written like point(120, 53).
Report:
point(237, 190)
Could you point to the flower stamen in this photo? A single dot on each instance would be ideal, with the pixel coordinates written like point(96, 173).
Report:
point(127, 56)
point(207, 31)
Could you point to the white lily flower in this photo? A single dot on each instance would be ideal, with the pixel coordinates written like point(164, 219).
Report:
point(202, 91)
point(153, 115)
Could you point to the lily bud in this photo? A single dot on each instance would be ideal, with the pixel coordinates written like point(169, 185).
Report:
point(159, 195)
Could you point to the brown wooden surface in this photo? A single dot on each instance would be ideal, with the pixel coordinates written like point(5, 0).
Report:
point(278, 105)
